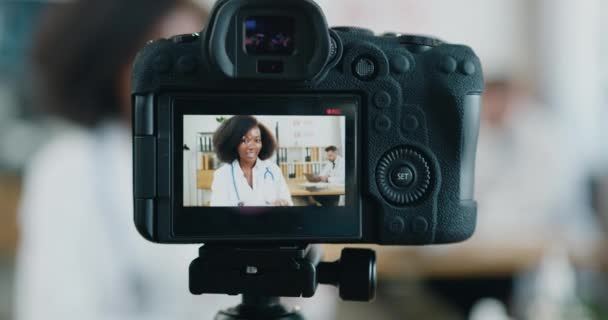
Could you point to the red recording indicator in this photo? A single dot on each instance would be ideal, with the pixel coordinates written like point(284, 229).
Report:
point(333, 111)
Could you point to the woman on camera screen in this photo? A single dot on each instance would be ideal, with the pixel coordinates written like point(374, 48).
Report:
point(247, 177)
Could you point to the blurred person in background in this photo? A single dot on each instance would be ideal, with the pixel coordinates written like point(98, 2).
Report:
point(80, 256)
point(532, 201)
point(524, 174)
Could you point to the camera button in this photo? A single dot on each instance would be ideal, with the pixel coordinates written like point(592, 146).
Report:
point(144, 115)
point(400, 64)
point(402, 176)
point(364, 68)
point(420, 225)
point(467, 68)
point(390, 34)
point(382, 99)
point(448, 64)
point(382, 123)
point(186, 64)
point(409, 123)
point(162, 63)
point(396, 225)
point(185, 38)
point(399, 185)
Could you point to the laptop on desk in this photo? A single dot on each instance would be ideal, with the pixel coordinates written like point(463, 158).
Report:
point(312, 178)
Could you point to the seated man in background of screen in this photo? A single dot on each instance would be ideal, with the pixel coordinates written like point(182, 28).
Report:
point(333, 172)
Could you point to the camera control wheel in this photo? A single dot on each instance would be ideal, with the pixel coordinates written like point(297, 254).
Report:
point(413, 39)
point(418, 44)
point(403, 176)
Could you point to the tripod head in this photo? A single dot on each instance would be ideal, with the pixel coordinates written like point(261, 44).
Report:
point(262, 275)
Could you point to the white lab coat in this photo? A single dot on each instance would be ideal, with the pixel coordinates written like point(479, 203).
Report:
point(335, 174)
point(230, 186)
point(80, 256)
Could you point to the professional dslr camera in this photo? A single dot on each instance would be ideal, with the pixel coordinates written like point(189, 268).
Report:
point(408, 108)
point(231, 125)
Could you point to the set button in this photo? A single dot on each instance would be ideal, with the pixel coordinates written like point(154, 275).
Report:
point(403, 176)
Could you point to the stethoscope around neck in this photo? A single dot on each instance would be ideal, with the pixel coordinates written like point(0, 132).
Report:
point(267, 174)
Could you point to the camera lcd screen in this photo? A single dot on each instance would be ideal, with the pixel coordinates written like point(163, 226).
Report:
point(266, 168)
point(269, 35)
point(264, 160)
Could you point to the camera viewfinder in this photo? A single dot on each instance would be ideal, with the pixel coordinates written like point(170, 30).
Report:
point(270, 35)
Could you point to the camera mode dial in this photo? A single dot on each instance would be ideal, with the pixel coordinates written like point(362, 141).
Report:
point(351, 29)
point(419, 40)
point(403, 176)
point(417, 43)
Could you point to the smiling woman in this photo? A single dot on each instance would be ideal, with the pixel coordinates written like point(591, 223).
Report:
point(247, 178)
point(236, 132)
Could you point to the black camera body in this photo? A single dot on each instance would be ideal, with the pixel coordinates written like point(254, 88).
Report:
point(410, 108)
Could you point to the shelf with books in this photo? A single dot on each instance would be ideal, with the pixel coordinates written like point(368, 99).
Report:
point(296, 161)
point(304, 153)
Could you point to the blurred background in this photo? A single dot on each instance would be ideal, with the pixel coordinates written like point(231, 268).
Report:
point(539, 251)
